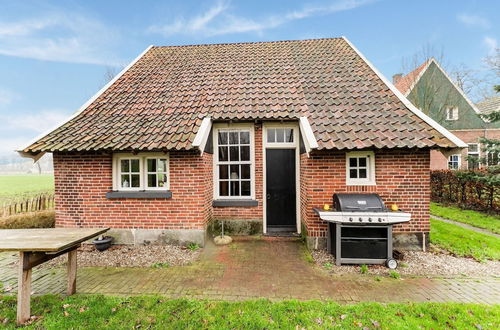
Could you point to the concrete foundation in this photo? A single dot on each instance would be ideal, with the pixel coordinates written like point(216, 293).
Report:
point(158, 236)
point(235, 227)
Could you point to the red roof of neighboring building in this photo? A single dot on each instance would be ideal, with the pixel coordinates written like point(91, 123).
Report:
point(405, 83)
point(160, 101)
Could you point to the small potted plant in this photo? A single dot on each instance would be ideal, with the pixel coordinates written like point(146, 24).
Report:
point(103, 243)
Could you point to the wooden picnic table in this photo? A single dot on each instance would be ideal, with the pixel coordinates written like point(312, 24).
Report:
point(37, 246)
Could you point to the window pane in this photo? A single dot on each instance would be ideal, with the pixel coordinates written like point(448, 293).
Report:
point(271, 135)
point(235, 172)
point(353, 174)
point(280, 135)
point(234, 154)
point(125, 181)
point(473, 148)
point(222, 137)
point(245, 137)
point(223, 156)
point(162, 165)
point(224, 188)
point(245, 171)
point(162, 180)
point(134, 165)
point(245, 188)
point(362, 162)
point(151, 180)
point(235, 188)
point(223, 172)
point(151, 165)
point(353, 162)
point(136, 181)
point(125, 165)
point(288, 135)
point(362, 173)
point(245, 152)
point(233, 138)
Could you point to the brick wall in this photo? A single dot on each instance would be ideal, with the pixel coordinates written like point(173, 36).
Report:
point(81, 183)
point(254, 212)
point(439, 160)
point(402, 178)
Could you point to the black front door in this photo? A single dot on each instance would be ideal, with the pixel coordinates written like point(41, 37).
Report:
point(280, 186)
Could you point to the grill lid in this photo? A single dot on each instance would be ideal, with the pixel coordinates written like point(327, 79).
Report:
point(358, 203)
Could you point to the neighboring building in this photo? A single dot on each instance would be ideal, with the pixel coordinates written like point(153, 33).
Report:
point(431, 90)
point(256, 134)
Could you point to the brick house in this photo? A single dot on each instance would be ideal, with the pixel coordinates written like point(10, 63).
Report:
point(255, 134)
point(432, 90)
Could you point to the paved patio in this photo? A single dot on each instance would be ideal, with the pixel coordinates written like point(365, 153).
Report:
point(273, 268)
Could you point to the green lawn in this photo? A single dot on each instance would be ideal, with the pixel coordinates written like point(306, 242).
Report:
point(17, 186)
point(473, 218)
point(99, 312)
point(464, 242)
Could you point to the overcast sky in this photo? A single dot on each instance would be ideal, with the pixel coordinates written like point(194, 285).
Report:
point(54, 54)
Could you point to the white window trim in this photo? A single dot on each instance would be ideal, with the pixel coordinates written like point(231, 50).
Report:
point(459, 161)
point(451, 112)
point(474, 152)
point(370, 180)
point(236, 127)
point(295, 145)
point(143, 156)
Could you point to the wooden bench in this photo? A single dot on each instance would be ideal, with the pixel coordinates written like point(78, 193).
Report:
point(37, 246)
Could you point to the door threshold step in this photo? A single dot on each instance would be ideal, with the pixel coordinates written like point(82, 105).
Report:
point(282, 234)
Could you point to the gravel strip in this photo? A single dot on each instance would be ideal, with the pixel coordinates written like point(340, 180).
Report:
point(129, 256)
point(417, 263)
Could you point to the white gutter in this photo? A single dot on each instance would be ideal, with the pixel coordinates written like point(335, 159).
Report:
point(80, 110)
point(450, 136)
point(200, 140)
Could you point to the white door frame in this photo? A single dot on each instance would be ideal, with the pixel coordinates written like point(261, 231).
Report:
point(295, 145)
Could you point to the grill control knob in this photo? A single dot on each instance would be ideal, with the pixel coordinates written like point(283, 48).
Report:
point(360, 219)
point(350, 219)
point(370, 219)
point(379, 219)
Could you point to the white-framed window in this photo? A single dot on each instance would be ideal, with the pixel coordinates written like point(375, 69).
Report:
point(452, 113)
point(281, 136)
point(144, 171)
point(493, 158)
point(473, 155)
point(454, 162)
point(234, 162)
point(360, 168)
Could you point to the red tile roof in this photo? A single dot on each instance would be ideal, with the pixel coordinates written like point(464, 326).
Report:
point(405, 83)
point(160, 101)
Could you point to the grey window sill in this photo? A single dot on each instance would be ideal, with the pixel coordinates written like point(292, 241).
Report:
point(138, 194)
point(234, 202)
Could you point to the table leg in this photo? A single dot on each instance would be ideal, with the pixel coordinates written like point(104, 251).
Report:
point(24, 289)
point(72, 272)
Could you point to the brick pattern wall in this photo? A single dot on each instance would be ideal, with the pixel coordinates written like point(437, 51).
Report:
point(439, 160)
point(402, 178)
point(81, 183)
point(254, 212)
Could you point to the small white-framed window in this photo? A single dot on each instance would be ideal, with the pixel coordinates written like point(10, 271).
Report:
point(144, 171)
point(452, 113)
point(233, 162)
point(454, 162)
point(473, 155)
point(279, 135)
point(360, 168)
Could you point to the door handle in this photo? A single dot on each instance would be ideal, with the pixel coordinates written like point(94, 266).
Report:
point(268, 196)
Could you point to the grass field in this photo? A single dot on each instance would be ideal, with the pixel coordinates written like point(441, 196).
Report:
point(473, 218)
point(106, 312)
point(19, 186)
point(464, 242)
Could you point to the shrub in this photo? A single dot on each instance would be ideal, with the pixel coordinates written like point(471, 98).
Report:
point(475, 189)
point(42, 219)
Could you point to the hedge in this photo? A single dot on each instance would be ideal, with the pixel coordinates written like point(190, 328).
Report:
point(477, 189)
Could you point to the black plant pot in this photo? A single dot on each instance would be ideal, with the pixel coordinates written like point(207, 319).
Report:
point(103, 244)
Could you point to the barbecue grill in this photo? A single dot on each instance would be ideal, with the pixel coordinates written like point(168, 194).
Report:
point(360, 229)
